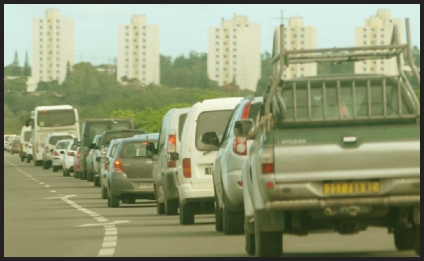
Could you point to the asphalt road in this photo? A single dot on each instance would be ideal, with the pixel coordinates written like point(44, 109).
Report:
point(48, 215)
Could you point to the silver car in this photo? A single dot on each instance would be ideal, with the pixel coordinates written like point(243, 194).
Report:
point(92, 166)
point(226, 169)
point(130, 170)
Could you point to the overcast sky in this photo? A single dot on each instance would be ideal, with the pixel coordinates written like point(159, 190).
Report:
point(183, 28)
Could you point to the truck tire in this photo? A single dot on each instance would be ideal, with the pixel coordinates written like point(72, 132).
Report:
point(186, 214)
point(233, 221)
point(171, 207)
point(404, 238)
point(268, 243)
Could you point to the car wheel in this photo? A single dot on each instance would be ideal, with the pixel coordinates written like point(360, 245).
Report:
point(249, 242)
point(417, 245)
point(96, 182)
point(90, 176)
point(55, 169)
point(160, 207)
point(171, 207)
point(28, 159)
point(22, 158)
point(45, 164)
point(67, 173)
point(404, 238)
point(103, 191)
point(186, 214)
point(76, 174)
point(268, 243)
point(233, 221)
point(113, 200)
point(219, 222)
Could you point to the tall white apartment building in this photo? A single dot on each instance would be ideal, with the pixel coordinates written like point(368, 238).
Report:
point(377, 30)
point(234, 53)
point(52, 47)
point(138, 51)
point(297, 36)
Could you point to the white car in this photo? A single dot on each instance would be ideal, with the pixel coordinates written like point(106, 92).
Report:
point(58, 154)
point(68, 159)
point(29, 151)
point(196, 191)
point(50, 144)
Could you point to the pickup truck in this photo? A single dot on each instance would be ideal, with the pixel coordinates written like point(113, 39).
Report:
point(336, 153)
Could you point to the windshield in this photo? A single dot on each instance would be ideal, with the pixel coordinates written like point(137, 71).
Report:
point(56, 118)
point(120, 135)
point(208, 122)
point(97, 128)
point(62, 145)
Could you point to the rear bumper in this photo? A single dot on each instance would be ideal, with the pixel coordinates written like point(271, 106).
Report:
point(186, 192)
point(305, 204)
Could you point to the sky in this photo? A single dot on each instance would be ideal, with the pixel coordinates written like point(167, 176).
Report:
point(183, 27)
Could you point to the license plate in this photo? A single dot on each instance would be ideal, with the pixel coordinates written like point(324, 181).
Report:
point(208, 171)
point(145, 184)
point(351, 188)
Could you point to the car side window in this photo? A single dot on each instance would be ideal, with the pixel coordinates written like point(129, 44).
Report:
point(228, 128)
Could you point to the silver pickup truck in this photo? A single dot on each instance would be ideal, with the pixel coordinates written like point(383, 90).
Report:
point(334, 153)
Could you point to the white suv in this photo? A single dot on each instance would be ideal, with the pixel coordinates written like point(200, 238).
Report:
point(196, 192)
point(50, 144)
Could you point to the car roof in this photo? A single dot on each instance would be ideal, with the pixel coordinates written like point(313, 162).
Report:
point(126, 130)
point(149, 136)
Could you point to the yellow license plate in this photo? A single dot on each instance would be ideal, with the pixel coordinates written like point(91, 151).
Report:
point(351, 188)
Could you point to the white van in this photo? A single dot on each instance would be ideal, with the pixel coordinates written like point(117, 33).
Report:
point(25, 137)
point(196, 191)
point(166, 161)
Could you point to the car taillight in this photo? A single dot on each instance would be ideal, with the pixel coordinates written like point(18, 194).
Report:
point(106, 166)
point(29, 146)
point(104, 150)
point(117, 166)
point(187, 168)
point(172, 141)
point(47, 148)
point(70, 153)
point(246, 110)
point(267, 160)
point(55, 153)
point(240, 145)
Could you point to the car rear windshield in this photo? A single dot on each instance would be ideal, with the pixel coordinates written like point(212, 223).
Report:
point(120, 135)
point(342, 100)
point(62, 145)
point(134, 149)
point(211, 121)
point(27, 135)
point(55, 118)
point(54, 139)
point(97, 128)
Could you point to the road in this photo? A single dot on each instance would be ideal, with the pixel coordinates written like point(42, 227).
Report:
point(48, 215)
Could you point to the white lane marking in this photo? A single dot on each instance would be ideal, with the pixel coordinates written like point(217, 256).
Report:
point(47, 186)
point(111, 233)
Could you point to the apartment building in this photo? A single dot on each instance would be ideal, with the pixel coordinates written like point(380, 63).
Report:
point(297, 36)
point(52, 47)
point(234, 53)
point(377, 30)
point(138, 51)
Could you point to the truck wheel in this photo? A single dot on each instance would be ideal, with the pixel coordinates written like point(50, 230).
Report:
point(249, 242)
point(171, 207)
point(417, 245)
point(233, 221)
point(404, 239)
point(268, 243)
point(114, 200)
point(186, 214)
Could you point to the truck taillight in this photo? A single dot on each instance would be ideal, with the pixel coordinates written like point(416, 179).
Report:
point(55, 153)
point(187, 168)
point(267, 160)
point(117, 166)
point(240, 145)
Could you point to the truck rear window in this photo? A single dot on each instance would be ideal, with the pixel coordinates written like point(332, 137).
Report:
point(342, 100)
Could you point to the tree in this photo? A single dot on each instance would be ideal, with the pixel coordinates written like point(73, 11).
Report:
point(68, 69)
point(27, 68)
point(16, 70)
